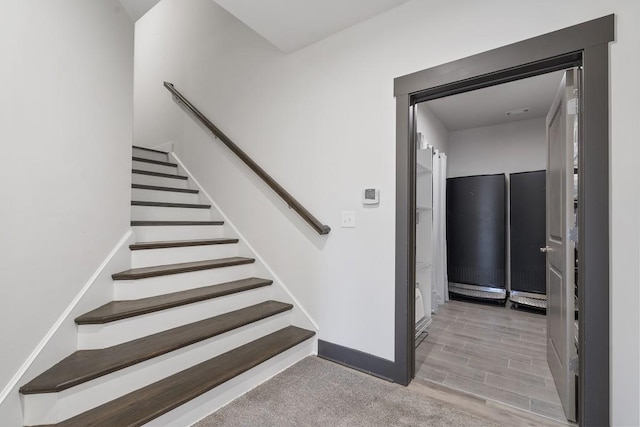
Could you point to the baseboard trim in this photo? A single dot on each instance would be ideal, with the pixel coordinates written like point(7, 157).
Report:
point(358, 360)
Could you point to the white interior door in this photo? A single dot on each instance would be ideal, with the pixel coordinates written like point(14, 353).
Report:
point(561, 131)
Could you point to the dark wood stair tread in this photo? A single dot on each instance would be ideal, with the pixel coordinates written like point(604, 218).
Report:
point(154, 400)
point(118, 310)
point(155, 162)
point(161, 188)
point(172, 223)
point(150, 149)
point(85, 365)
point(181, 243)
point(183, 267)
point(160, 174)
point(170, 204)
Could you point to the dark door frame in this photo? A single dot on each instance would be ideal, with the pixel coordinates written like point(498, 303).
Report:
point(584, 44)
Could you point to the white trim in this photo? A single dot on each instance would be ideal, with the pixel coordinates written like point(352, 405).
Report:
point(166, 147)
point(246, 242)
point(34, 354)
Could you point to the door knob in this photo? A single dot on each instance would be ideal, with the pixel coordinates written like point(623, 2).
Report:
point(545, 249)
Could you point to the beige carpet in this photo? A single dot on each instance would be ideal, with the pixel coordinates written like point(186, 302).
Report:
point(316, 392)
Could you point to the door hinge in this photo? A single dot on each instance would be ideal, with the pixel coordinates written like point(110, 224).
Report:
point(573, 234)
point(574, 364)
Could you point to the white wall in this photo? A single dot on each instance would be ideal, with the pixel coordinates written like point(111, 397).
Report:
point(435, 133)
point(506, 148)
point(322, 121)
point(65, 127)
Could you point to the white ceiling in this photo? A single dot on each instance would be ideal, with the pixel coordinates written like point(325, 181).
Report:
point(137, 8)
point(293, 24)
point(486, 107)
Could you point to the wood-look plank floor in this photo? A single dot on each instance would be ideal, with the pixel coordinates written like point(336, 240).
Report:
point(487, 409)
point(492, 352)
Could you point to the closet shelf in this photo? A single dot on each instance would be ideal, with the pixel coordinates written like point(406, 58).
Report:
point(422, 325)
point(423, 233)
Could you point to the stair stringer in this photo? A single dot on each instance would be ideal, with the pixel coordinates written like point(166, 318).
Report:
point(62, 339)
point(300, 317)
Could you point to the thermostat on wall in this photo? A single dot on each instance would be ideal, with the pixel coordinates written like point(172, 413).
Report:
point(370, 196)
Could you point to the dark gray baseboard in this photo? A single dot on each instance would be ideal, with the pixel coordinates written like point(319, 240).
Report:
point(361, 361)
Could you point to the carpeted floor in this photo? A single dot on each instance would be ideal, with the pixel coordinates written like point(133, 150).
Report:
point(316, 392)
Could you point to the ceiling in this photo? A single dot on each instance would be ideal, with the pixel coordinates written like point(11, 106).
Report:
point(486, 107)
point(289, 24)
point(137, 8)
point(293, 24)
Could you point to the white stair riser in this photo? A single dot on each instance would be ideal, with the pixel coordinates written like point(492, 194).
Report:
point(151, 257)
point(163, 196)
point(145, 166)
point(153, 286)
point(51, 408)
point(160, 181)
point(107, 335)
point(154, 213)
point(177, 232)
point(193, 411)
point(150, 155)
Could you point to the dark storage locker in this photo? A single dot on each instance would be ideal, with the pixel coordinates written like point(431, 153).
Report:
point(476, 223)
point(528, 235)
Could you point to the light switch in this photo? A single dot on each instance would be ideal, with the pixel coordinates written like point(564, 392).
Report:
point(348, 219)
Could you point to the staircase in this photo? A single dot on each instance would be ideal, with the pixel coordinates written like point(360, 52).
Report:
point(190, 327)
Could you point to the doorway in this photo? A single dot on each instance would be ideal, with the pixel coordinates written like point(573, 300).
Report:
point(583, 45)
point(487, 323)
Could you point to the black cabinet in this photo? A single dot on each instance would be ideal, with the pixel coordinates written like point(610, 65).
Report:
point(528, 232)
point(476, 235)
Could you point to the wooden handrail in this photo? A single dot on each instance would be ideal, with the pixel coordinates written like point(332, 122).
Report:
point(288, 198)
